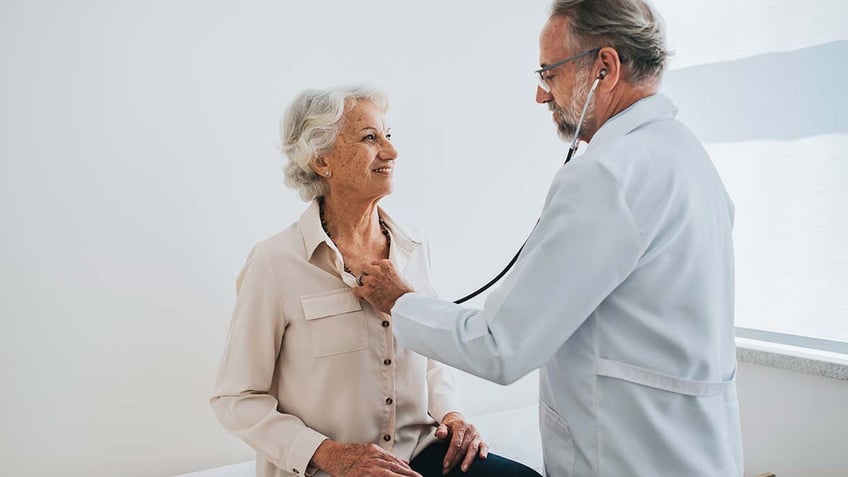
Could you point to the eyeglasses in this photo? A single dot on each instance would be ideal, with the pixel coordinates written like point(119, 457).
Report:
point(543, 80)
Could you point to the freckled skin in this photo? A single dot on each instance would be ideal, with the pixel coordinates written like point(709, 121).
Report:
point(361, 146)
point(356, 185)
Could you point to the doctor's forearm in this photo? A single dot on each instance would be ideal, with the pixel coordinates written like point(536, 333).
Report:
point(456, 336)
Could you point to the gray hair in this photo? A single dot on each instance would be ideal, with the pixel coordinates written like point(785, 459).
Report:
point(632, 27)
point(309, 128)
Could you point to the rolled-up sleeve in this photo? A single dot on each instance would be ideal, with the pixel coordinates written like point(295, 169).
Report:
point(242, 401)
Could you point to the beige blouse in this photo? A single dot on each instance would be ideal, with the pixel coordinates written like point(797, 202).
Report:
point(305, 360)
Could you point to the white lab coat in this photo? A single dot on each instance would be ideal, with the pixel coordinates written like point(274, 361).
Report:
point(623, 295)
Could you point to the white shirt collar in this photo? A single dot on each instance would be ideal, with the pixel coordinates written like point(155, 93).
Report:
point(646, 110)
point(314, 234)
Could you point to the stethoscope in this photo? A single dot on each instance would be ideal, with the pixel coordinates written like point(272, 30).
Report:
point(571, 150)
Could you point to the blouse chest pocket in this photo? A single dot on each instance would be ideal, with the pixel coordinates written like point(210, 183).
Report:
point(336, 322)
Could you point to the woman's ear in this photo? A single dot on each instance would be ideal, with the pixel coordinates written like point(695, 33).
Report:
point(320, 166)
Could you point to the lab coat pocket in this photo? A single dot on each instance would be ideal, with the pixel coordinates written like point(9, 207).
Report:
point(336, 322)
point(559, 451)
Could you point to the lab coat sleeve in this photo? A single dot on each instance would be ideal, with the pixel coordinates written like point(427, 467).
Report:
point(585, 244)
point(242, 402)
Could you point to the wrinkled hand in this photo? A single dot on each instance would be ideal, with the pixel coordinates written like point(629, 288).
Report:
point(381, 285)
point(465, 442)
point(359, 460)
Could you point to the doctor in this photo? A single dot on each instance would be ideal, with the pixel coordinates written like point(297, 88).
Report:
point(623, 295)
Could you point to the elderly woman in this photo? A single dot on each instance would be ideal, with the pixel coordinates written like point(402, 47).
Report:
point(311, 377)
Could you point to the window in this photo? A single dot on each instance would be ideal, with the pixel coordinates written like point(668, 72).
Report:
point(759, 83)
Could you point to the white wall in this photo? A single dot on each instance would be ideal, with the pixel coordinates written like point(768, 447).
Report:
point(138, 164)
point(792, 424)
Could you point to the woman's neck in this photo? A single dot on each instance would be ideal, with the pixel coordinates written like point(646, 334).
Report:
point(351, 221)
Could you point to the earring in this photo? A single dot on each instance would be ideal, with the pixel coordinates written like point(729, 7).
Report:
point(327, 173)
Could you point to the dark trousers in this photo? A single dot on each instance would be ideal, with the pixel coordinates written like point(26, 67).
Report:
point(429, 464)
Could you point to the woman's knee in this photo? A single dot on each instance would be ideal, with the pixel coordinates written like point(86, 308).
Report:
point(497, 466)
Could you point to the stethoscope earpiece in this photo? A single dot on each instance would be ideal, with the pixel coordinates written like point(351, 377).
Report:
point(601, 75)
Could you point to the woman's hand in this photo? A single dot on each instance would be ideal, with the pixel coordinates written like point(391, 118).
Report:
point(465, 442)
point(359, 460)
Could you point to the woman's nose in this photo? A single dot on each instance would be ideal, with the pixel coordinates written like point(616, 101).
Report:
point(388, 152)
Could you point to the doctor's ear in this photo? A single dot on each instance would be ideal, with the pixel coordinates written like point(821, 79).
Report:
point(609, 68)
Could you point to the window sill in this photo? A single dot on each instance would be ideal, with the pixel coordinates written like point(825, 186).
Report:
point(792, 358)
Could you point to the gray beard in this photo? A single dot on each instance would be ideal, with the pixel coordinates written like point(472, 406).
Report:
point(565, 128)
point(570, 114)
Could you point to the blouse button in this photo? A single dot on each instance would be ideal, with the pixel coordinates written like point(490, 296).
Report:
point(387, 438)
point(385, 324)
point(389, 400)
point(387, 362)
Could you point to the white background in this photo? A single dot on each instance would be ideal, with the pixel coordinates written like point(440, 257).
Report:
point(139, 162)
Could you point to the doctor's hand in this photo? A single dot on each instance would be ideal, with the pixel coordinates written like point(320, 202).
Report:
point(381, 285)
point(464, 442)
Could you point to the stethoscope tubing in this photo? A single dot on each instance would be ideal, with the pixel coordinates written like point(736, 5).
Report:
point(568, 157)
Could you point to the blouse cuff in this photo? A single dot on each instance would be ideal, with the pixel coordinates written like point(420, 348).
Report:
point(301, 451)
point(441, 412)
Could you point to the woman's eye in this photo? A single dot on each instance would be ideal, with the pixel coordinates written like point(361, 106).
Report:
point(389, 136)
point(370, 137)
